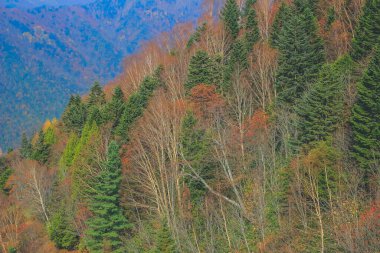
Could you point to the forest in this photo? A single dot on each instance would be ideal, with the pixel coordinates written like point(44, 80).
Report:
point(258, 131)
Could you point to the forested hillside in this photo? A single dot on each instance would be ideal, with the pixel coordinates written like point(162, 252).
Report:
point(259, 132)
point(48, 52)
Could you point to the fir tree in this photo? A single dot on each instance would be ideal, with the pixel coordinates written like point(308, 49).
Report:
point(67, 157)
point(61, 232)
point(365, 119)
point(321, 108)
point(97, 96)
point(200, 70)
point(165, 242)
point(26, 147)
point(195, 147)
point(50, 137)
point(107, 225)
point(282, 16)
point(230, 16)
point(41, 150)
point(367, 32)
point(252, 33)
point(74, 116)
point(115, 107)
point(196, 36)
point(301, 56)
point(136, 104)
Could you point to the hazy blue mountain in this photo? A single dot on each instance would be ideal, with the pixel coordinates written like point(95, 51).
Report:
point(49, 52)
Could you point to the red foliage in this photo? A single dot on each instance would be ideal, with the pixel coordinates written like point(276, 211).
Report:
point(257, 125)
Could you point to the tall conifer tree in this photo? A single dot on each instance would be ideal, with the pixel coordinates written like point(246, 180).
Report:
point(365, 119)
point(107, 225)
point(230, 15)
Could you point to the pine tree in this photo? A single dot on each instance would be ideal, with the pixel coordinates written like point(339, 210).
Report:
point(230, 15)
point(74, 116)
point(165, 242)
point(94, 115)
point(97, 96)
point(136, 104)
point(282, 16)
point(200, 70)
point(321, 108)
point(50, 137)
point(195, 147)
point(365, 119)
point(41, 150)
point(115, 107)
point(107, 225)
point(26, 147)
point(252, 34)
point(61, 232)
point(367, 32)
point(301, 56)
point(67, 157)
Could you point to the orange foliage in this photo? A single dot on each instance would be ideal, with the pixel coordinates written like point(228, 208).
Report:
point(257, 125)
point(205, 101)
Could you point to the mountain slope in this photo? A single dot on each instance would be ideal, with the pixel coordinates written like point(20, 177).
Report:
point(50, 52)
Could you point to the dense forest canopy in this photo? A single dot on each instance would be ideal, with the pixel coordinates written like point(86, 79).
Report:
point(256, 132)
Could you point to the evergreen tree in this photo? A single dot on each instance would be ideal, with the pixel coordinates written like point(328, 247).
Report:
point(195, 147)
point(67, 157)
point(200, 70)
point(97, 96)
point(165, 242)
point(367, 32)
point(196, 36)
point(230, 15)
point(282, 16)
point(321, 108)
point(301, 56)
point(107, 225)
point(50, 137)
point(94, 115)
point(74, 116)
point(365, 119)
point(252, 34)
point(136, 104)
point(61, 232)
point(114, 109)
point(26, 147)
point(41, 150)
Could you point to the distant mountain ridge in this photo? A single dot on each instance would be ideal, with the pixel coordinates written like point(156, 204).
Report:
point(49, 52)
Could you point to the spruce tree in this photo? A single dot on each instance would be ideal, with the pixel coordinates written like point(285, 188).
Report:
point(74, 116)
point(115, 107)
point(108, 224)
point(136, 104)
point(41, 150)
point(230, 15)
point(252, 34)
point(301, 56)
point(282, 16)
point(367, 32)
point(195, 146)
point(165, 242)
point(26, 147)
point(321, 108)
point(96, 96)
point(365, 119)
point(200, 70)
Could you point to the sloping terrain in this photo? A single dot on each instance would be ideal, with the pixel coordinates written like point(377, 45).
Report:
point(49, 52)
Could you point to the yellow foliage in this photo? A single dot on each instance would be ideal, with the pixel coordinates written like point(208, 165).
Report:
point(46, 125)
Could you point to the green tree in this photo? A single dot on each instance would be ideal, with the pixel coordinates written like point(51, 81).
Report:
point(26, 147)
point(365, 119)
point(61, 232)
point(165, 242)
point(301, 56)
point(107, 225)
point(136, 104)
point(367, 32)
point(200, 70)
point(50, 137)
point(195, 146)
point(230, 16)
point(114, 109)
point(282, 16)
point(96, 96)
point(321, 108)
point(196, 36)
point(41, 150)
point(68, 154)
point(252, 34)
point(74, 116)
